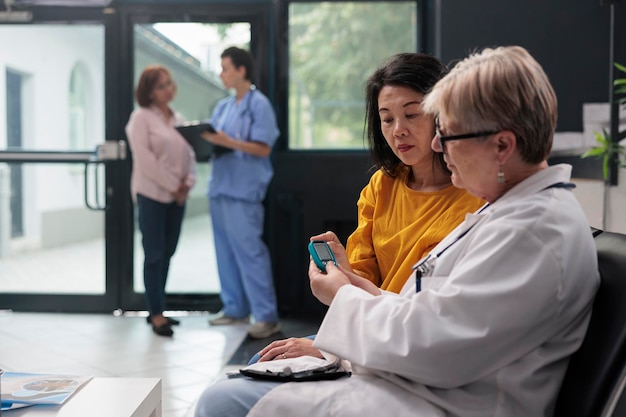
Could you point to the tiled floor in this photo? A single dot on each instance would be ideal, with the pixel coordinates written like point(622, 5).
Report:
point(104, 345)
point(109, 346)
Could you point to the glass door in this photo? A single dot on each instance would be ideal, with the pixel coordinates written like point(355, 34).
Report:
point(189, 45)
point(52, 113)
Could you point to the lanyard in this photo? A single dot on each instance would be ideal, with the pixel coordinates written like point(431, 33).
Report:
point(428, 263)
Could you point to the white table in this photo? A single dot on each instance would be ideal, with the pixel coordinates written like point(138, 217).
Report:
point(105, 397)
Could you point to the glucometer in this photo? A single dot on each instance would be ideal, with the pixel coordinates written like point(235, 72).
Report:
point(321, 254)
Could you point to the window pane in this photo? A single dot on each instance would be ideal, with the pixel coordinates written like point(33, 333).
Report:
point(333, 47)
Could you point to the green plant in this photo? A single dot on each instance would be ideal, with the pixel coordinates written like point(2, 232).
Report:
point(607, 149)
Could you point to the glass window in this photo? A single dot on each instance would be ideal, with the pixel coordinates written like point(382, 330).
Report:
point(333, 47)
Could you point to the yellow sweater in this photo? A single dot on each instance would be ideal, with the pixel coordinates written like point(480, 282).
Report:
point(398, 226)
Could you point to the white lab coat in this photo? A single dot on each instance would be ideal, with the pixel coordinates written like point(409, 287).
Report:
point(488, 335)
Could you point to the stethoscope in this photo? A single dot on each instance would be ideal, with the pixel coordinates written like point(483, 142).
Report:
point(426, 265)
point(241, 116)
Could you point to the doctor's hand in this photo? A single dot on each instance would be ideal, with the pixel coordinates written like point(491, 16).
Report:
point(289, 348)
point(325, 285)
point(360, 282)
point(335, 245)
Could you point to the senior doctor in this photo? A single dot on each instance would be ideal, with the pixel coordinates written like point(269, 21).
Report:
point(486, 325)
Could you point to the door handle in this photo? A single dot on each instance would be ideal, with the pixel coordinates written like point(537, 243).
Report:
point(111, 151)
point(105, 152)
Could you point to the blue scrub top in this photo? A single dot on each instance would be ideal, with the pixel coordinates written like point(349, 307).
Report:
point(238, 174)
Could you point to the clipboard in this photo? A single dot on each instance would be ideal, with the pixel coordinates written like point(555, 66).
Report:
point(203, 149)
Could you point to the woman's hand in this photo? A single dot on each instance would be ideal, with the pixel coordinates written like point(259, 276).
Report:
point(325, 286)
point(335, 245)
point(181, 194)
point(289, 348)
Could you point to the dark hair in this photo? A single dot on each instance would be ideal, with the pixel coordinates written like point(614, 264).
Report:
point(240, 58)
point(148, 80)
point(416, 71)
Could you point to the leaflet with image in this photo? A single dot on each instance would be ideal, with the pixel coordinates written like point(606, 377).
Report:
point(21, 388)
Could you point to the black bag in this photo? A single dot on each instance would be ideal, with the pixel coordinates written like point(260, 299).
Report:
point(305, 368)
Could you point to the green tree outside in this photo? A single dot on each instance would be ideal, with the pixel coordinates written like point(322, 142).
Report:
point(333, 48)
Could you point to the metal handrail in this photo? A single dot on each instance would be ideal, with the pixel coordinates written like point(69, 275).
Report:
point(26, 156)
point(106, 152)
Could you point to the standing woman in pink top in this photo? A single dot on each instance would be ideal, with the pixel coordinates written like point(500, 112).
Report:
point(164, 171)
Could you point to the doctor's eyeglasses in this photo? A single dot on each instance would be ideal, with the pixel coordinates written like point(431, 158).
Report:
point(443, 139)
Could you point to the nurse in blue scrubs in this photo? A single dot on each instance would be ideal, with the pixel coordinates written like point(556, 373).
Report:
point(246, 131)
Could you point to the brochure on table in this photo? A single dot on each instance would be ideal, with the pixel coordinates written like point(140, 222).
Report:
point(21, 389)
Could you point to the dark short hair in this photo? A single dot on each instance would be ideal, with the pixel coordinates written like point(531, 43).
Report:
point(147, 81)
point(240, 58)
point(417, 71)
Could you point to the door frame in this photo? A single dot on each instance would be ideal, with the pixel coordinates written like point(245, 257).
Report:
point(106, 302)
point(260, 18)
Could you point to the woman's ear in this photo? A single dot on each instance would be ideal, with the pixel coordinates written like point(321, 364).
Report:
point(506, 143)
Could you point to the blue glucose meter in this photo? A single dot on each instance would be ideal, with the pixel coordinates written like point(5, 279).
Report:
point(321, 254)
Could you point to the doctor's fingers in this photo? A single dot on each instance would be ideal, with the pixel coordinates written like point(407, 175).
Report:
point(313, 269)
point(325, 286)
point(317, 277)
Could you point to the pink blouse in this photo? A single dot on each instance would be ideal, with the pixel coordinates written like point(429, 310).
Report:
point(162, 158)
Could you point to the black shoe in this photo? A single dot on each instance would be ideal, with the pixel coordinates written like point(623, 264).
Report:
point(171, 321)
point(163, 330)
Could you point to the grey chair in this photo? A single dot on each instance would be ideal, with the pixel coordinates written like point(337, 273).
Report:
point(596, 374)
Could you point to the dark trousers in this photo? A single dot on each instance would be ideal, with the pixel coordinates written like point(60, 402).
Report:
point(160, 225)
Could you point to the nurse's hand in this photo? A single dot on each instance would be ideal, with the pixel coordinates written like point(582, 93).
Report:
point(219, 138)
point(335, 245)
point(260, 149)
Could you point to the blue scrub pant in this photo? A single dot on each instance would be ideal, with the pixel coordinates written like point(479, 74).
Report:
point(243, 260)
point(160, 225)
